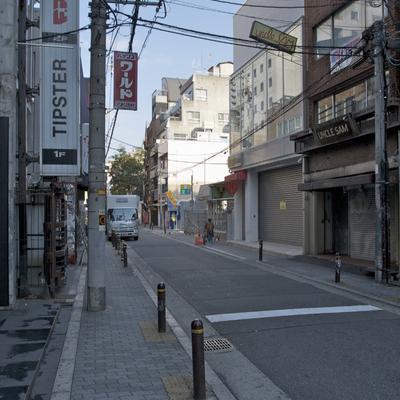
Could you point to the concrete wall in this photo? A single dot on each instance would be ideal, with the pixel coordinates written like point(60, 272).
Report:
point(8, 87)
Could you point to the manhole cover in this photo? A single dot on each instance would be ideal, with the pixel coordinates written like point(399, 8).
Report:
point(219, 344)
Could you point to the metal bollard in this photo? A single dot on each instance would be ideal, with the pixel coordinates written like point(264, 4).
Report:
point(260, 250)
point(199, 377)
point(161, 307)
point(113, 239)
point(125, 254)
point(338, 266)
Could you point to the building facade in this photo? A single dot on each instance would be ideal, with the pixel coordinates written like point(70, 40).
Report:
point(266, 106)
point(183, 138)
point(338, 142)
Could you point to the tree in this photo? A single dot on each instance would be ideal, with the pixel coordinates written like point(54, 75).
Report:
point(127, 172)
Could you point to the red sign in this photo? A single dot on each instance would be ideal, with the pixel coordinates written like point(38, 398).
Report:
point(60, 8)
point(233, 181)
point(125, 80)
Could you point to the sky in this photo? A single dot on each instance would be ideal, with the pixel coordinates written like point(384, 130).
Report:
point(165, 55)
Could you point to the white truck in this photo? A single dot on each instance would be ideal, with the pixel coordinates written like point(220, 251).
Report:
point(122, 216)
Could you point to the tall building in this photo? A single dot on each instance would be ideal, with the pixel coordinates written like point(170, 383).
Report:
point(187, 141)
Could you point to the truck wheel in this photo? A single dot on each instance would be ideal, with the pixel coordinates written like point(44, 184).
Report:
point(135, 237)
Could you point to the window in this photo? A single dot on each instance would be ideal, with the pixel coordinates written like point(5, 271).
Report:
point(193, 115)
point(270, 102)
point(325, 109)
point(323, 38)
point(354, 99)
point(261, 86)
point(255, 108)
point(261, 68)
point(270, 82)
point(223, 117)
point(180, 136)
point(255, 90)
point(346, 26)
point(201, 94)
point(262, 105)
point(254, 73)
point(269, 62)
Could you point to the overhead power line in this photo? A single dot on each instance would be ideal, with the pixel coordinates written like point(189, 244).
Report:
point(276, 7)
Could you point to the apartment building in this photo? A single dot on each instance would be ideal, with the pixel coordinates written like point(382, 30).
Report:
point(187, 141)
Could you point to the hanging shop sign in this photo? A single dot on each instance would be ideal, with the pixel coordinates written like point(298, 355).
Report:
point(273, 37)
point(59, 89)
point(125, 80)
point(233, 181)
point(335, 130)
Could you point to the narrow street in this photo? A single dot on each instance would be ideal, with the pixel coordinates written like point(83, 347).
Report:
point(343, 350)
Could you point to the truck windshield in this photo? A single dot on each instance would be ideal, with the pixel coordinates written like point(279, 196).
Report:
point(122, 214)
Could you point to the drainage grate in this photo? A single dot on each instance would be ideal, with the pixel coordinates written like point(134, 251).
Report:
point(219, 344)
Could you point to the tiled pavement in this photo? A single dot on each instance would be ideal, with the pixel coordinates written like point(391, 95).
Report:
point(120, 354)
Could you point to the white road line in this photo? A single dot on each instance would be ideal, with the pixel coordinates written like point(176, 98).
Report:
point(290, 312)
point(213, 250)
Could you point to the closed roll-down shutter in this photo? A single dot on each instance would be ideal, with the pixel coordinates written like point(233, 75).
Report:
point(362, 221)
point(281, 206)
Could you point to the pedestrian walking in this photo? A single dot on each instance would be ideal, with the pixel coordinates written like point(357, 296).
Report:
point(209, 231)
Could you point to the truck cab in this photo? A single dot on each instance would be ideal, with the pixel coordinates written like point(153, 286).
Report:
point(122, 216)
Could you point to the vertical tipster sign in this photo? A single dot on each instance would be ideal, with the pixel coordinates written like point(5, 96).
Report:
point(59, 88)
point(125, 80)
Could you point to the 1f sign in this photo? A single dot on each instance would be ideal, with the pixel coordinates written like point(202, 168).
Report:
point(125, 80)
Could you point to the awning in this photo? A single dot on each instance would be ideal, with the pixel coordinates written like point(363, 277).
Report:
point(233, 181)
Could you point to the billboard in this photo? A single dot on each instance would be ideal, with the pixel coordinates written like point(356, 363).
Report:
point(125, 80)
point(59, 89)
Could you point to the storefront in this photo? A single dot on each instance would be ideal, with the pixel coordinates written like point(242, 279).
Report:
point(339, 177)
point(281, 206)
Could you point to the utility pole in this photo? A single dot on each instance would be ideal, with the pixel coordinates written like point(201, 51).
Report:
point(382, 260)
point(22, 147)
point(97, 176)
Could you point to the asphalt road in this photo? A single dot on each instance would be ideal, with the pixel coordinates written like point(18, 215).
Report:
point(319, 356)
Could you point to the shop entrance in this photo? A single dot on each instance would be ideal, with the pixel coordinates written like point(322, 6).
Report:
point(336, 222)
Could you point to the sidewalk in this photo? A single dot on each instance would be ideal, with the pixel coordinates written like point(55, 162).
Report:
point(306, 268)
point(120, 353)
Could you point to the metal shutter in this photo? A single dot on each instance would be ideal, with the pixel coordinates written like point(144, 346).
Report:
point(362, 223)
point(281, 206)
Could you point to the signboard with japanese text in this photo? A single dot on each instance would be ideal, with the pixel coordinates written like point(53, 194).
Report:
point(125, 80)
point(59, 89)
point(273, 37)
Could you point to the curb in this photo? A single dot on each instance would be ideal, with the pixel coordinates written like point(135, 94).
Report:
point(65, 372)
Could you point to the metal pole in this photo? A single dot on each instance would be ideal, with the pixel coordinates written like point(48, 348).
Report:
point(381, 164)
point(22, 146)
point(199, 376)
point(260, 250)
point(338, 267)
point(191, 189)
point(97, 182)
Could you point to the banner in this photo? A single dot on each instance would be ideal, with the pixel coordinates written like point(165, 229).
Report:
point(125, 80)
point(59, 89)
